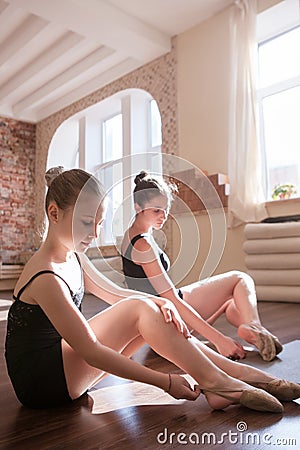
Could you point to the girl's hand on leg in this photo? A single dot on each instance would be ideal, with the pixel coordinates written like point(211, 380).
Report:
point(181, 389)
point(171, 314)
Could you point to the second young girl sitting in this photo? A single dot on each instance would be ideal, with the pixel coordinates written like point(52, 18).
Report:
point(145, 267)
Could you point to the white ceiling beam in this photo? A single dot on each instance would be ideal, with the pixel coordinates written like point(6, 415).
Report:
point(6, 111)
point(92, 85)
point(58, 48)
point(80, 84)
point(104, 23)
point(62, 79)
point(34, 49)
point(3, 5)
point(31, 26)
point(10, 18)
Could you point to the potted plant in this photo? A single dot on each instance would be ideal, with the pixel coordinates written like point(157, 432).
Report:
point(283, 191)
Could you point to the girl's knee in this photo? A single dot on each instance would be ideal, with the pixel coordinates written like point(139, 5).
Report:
point(241, 277)
point(142, 303)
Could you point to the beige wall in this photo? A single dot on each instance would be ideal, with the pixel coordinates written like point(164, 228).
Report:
point(226, 255)
point(203, 79)
point(203, 76)
point(203, 98)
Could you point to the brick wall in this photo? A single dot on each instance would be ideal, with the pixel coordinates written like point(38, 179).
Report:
point(17, 196)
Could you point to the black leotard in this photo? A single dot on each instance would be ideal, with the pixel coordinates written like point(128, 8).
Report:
point(135, 275)
point(33, 352)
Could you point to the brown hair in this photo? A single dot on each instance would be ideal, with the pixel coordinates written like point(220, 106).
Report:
point(64, 187)
point(148, 187)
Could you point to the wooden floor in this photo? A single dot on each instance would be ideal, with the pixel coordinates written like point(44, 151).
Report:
point(155, 426)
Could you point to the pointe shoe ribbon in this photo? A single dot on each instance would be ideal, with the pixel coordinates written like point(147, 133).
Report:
point(256, 399)
point(284, 390)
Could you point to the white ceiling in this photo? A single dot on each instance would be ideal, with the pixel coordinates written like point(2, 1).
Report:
point(54, 52)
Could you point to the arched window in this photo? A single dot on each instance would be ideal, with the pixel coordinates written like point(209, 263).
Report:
point(113, 139)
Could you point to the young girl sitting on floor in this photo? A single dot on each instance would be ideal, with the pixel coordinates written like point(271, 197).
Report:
point(145, 267)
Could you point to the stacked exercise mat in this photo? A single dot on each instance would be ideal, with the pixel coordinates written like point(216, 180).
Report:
point(273, 259)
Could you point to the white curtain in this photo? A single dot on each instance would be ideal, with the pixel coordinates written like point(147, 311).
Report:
point(245, 163)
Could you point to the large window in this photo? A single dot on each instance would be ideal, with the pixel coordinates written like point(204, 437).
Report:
point(118, 161)
point(112, 150)
point(279, 108)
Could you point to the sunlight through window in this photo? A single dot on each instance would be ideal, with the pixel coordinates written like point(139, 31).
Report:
point(279, 101)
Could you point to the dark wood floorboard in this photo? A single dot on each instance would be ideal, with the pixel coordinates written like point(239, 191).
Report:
point(75, 427)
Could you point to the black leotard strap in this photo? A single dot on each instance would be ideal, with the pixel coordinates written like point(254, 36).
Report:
point(132, 242)
point(35, 276)
point(136, 238)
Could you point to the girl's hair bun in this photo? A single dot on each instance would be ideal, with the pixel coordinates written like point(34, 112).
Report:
point(140, 177)
point(53, 173)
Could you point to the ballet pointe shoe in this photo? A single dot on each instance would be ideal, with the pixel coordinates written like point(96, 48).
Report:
point(256, 399)
point(283, 390)
point(267, 344)
point(278, 345)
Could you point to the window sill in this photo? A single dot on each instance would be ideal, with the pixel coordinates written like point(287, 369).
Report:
point(104, 251)
point(288, 201)
point(286, 207)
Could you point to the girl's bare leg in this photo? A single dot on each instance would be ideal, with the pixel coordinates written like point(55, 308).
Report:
point(80, 376)
point(128, 351)
point(235, 369)
point(134, 318)
point(233, 293)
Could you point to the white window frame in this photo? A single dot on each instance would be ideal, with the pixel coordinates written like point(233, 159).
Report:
point(129, 150)
point(276, 88)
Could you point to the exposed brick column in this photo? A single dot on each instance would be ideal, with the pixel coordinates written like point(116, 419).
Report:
point(17, 193)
